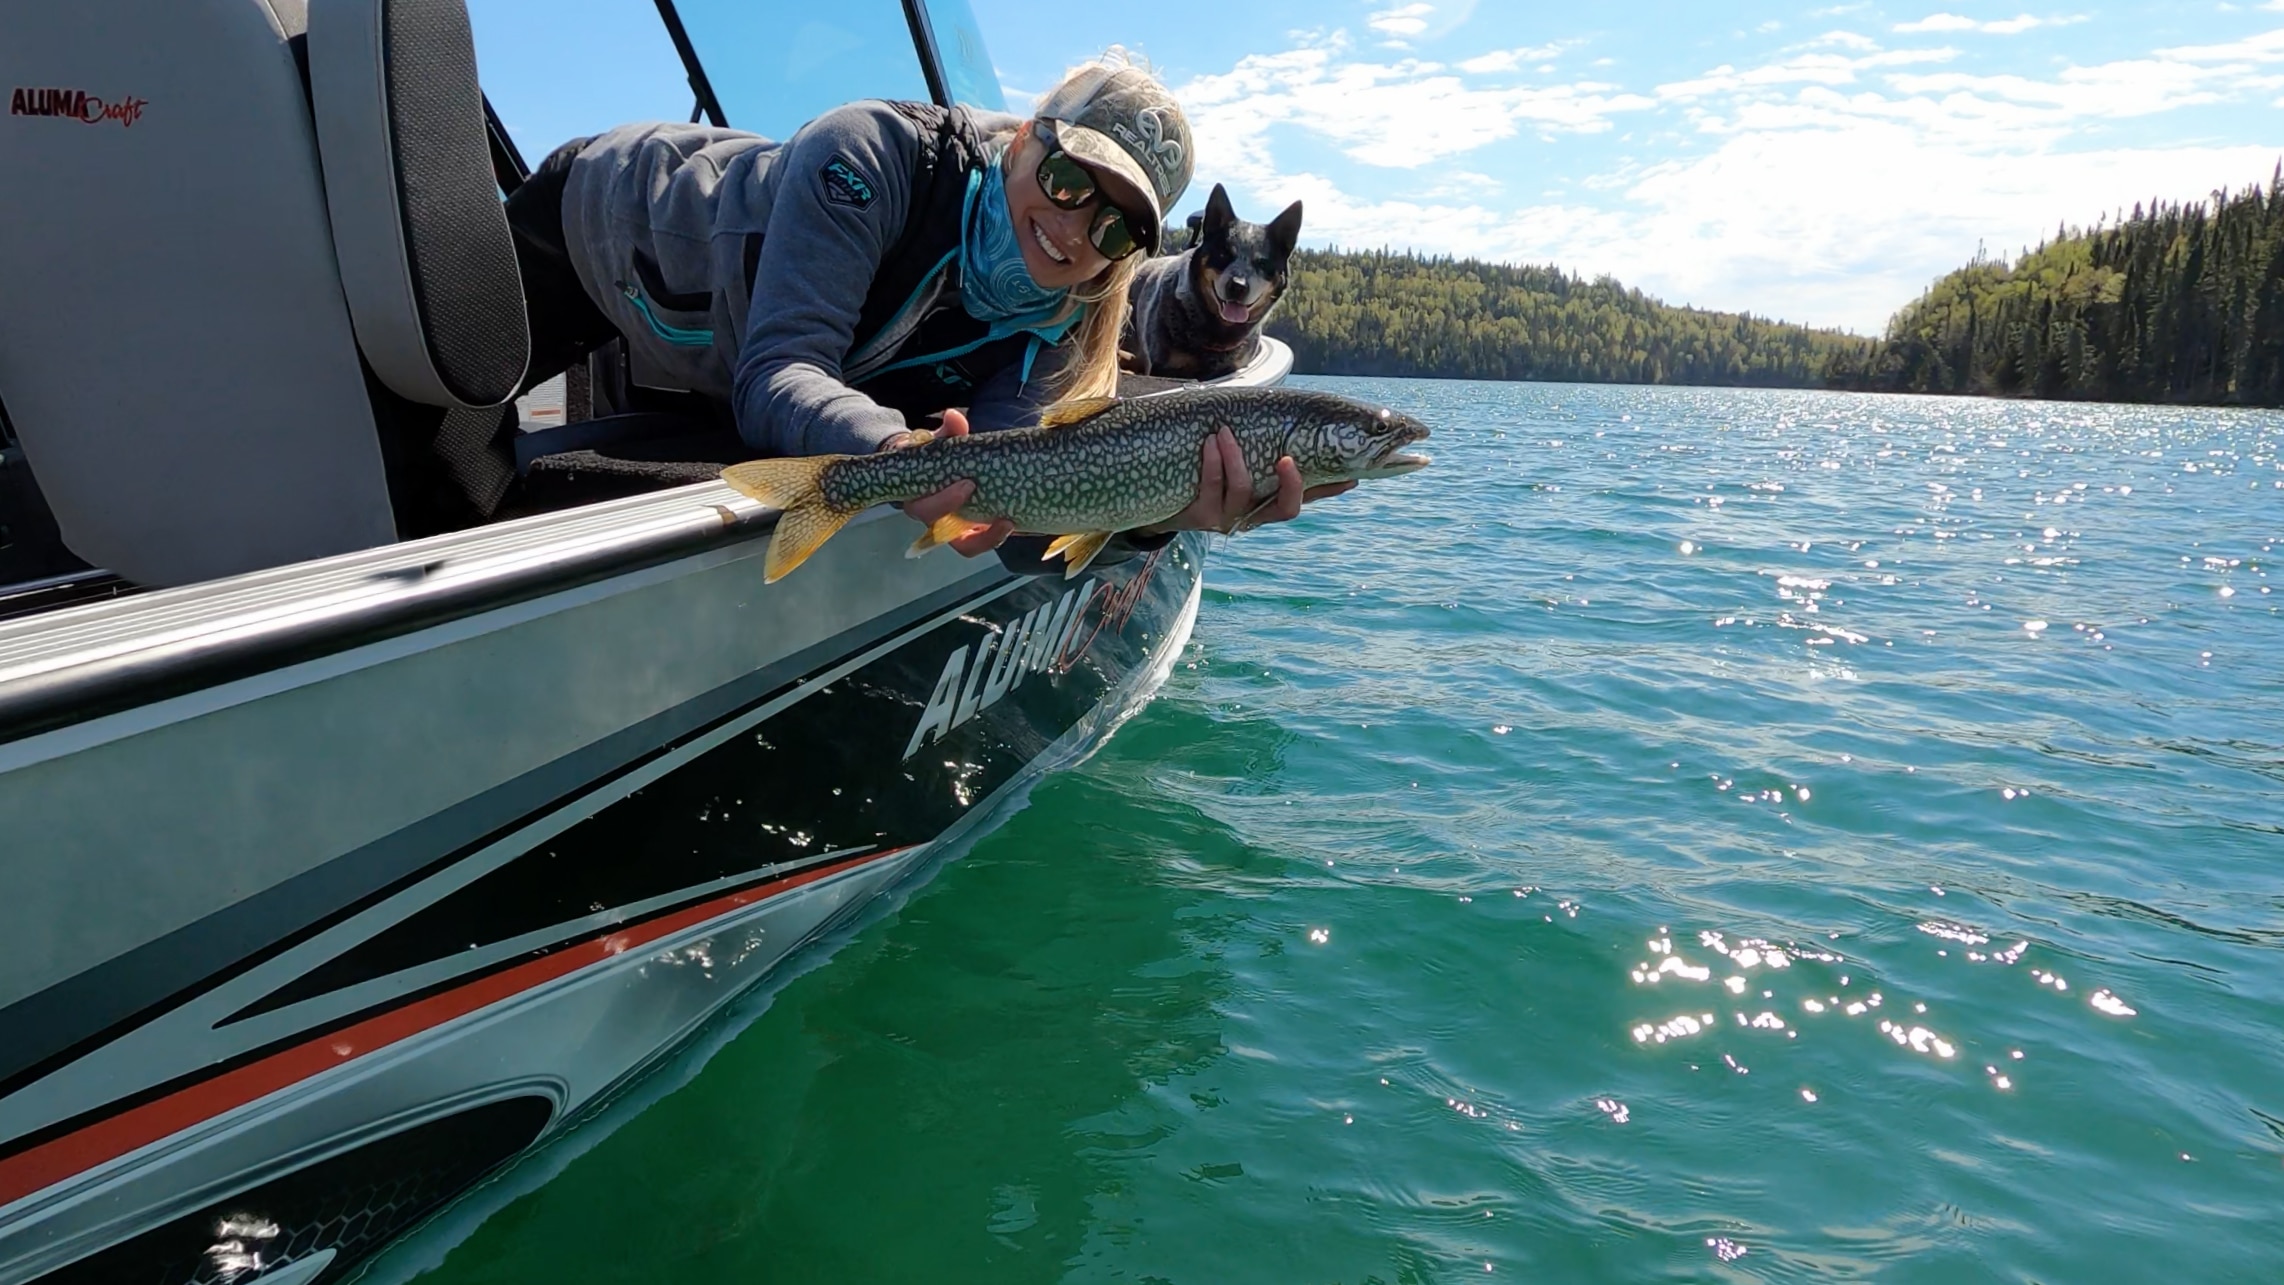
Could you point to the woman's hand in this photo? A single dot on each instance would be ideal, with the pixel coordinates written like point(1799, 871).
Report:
point(928, 508)
point(1225, 500)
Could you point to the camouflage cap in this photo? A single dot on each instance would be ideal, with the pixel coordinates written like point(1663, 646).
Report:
point(1122, 120)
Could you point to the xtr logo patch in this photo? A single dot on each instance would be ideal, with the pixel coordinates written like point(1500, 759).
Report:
point(844, 185)
point(76, 104)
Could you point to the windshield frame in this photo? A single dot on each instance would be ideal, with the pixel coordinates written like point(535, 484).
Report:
point(708, 106)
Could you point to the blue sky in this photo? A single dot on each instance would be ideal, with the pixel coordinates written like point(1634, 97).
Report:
point(1820, 162)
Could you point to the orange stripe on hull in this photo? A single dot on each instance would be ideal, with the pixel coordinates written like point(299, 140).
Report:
point(114, 1136)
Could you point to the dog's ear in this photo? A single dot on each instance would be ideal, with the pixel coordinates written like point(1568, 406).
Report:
point(1285, 230)
point(1219, 214)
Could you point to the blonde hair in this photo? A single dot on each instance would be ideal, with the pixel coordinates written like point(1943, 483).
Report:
point(1092, 370)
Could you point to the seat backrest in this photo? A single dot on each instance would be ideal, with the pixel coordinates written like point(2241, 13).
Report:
point(174, 348)
point(426, 260)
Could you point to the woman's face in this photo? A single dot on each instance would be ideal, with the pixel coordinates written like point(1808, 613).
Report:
point(1054, 240)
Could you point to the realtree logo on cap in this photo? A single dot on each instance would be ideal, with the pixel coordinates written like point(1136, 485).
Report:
point(1163, 154)
point(76, 104)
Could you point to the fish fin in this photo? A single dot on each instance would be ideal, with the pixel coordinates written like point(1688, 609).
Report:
point(943, 530)
point(1076, 410)
point(800, 530)
point(779, 483)
point(1077, 550)
point(805, 518)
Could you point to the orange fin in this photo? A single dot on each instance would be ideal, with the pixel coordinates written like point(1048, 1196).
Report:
point(943, 530)
point(1077, 410)
point(1077, 550)
point(805, 520)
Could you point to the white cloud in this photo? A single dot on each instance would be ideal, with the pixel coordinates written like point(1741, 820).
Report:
point(1499, 60)
point(1806, 68)
point(1828, 183)
point(2266, 47)
point(1402, 22)
point(1400, 115)
point(1945, 22)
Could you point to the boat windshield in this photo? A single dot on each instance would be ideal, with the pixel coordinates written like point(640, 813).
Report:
point(556, 70)
point(968, 71)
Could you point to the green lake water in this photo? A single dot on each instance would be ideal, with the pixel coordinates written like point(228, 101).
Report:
point(1683, 835)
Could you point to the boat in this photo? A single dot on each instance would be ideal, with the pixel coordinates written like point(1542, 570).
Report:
point(345, 862)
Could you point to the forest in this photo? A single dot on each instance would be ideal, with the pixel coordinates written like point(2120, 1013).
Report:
point(1384, 313)
point(2179, 302)
point(2174, 303)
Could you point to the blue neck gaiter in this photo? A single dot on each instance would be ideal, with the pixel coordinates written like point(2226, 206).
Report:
point(994, 283)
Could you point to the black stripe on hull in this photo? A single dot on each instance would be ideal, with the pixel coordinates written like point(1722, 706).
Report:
point(43, 1032)
point(351, 1204)
point(825, 773)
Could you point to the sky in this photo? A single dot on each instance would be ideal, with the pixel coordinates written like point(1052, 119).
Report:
point(1815, 161)
point(1821, 163)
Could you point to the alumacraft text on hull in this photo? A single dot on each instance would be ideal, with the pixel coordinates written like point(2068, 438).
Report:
point(351, 868)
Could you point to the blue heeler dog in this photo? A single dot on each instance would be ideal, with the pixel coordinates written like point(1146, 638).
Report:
point(1198, 314)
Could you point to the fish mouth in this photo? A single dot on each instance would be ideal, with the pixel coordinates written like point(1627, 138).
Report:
point(1396, 463)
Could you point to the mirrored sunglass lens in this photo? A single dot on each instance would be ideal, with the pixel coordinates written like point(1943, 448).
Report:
point(1065, 181)
point(1111, 235)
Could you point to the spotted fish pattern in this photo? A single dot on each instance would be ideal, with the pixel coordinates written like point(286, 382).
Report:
point(1094, 468)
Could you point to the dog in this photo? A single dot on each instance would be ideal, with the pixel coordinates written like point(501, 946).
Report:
point(1198, 314)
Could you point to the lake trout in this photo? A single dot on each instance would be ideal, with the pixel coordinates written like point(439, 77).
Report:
point(1092, 469)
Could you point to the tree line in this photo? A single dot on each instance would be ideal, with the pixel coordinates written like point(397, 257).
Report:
point(2180, 302)
point(1378, 312)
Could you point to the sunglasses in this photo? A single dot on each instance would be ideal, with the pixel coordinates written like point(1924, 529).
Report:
point(1070, 185)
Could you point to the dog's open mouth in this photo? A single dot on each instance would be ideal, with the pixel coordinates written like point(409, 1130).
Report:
point(1235, 313)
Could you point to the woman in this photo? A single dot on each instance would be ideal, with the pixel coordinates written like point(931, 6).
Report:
point(888, 264)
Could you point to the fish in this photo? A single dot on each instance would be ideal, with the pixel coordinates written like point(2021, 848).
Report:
point(1093, 468)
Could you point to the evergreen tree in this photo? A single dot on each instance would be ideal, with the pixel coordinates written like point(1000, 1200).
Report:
point(2174, 303)
point(1382, 313)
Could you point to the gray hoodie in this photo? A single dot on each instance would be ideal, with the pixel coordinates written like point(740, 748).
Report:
point(659, 218)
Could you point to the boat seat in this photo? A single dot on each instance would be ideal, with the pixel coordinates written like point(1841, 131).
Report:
point(259, 309)
point(427, 262)
point(175, 351)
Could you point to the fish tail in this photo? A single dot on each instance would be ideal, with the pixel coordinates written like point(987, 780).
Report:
point(805, 519)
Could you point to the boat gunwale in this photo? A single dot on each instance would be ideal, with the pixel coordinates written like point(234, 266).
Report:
point(80, 662)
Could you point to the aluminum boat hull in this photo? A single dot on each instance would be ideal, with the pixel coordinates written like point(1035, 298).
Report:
point(328, 898)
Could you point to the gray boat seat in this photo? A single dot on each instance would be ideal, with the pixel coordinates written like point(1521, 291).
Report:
point(427, 263)
point(196, 289)
point(174, 349)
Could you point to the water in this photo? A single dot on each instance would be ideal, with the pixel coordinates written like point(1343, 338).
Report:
point(1683, 835)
